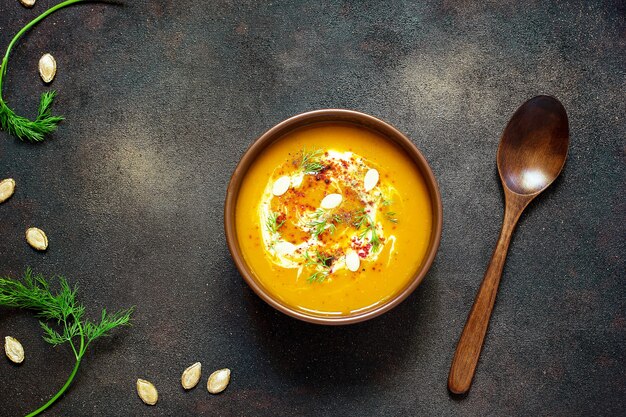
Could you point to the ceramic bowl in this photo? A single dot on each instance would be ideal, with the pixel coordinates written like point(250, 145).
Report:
point(338, 116)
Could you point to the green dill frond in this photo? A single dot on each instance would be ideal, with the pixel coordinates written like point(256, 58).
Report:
point(364, 220)
point(323, 260)
point(319, 261)
point(360, 217)
point(372, 234)
point(107, 323)
point(311, 162)
point(321, 221)
point(374, 239)
point(31, 130)
point(391, 216)
point(318, 276)
point(52, 336)
point(272, 223)
point(309, 261)
point(34, 292)
point(318, 223)
point(320, 264)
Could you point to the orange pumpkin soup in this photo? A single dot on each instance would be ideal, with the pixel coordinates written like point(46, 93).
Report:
point(333, 219)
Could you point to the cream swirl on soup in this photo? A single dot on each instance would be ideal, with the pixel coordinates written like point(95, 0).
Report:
point(322, 211)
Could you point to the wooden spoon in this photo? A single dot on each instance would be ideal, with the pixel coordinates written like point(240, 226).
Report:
point(531, 155)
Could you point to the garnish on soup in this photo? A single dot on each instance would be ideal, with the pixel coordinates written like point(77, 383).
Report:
point(326, 211)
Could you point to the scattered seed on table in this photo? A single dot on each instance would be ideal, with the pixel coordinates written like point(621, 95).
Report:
point(218, 381)
point(191, 376)
point(47, 68)
point(7, 188)
point(37, 238)
point(13, 349)
point(147, 392)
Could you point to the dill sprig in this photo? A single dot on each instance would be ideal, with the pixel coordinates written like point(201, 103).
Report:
point(318, 223)
point(360, 218)
point(311, 162)
point(62, 317)
point(391, 216)
point(45, 123)
point(318, 276)
point(373, 236)
point(33, 130)
point(321, 265)
point(272, 223)
point(363, 220)
point(321, 221)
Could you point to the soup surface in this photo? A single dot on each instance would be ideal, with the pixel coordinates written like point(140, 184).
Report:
point(333, 219)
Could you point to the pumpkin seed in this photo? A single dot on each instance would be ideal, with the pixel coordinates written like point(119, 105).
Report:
point(147, 392)
point(218, 381)
point(37, 238)
point(13, 349)
point(296, 180)
point(7, 188)
point(283, 247)
point(352, 261)
point(371, 179)
point(47, 68)
point(191, 376)
point(331, 201)
point(27, 3)
point(281, 185)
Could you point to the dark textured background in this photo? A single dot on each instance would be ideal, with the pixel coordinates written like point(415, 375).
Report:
point(163, 97)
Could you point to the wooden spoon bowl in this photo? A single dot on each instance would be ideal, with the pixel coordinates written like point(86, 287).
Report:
point(534, 146)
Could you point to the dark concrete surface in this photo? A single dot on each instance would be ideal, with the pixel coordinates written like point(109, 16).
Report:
point(163, 97)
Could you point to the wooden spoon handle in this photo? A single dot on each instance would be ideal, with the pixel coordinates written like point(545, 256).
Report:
point(471, 341)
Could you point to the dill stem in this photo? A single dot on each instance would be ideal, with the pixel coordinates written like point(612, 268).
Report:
point(79, 357)
point(5, 60)
point(73, 348)
point(61, 391)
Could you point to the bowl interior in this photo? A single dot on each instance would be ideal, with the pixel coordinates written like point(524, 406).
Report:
point(345, 117)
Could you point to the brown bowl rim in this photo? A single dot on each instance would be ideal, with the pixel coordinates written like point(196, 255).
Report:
point(321, 116)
